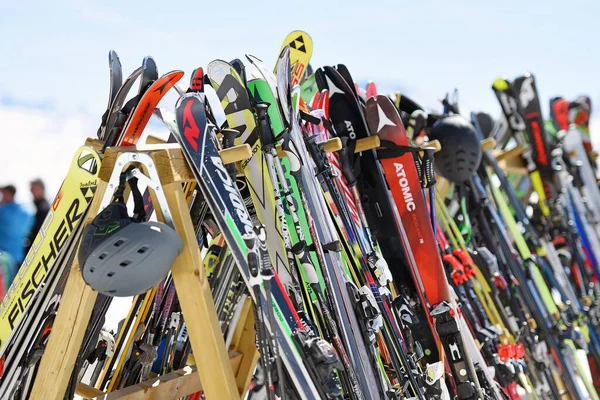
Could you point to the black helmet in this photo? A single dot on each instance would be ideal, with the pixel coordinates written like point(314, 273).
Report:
point(486, 123)
point(460, 155)
point(122, 256)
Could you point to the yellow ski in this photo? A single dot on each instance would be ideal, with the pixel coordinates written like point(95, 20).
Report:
point(300, 52)
point(66, 211)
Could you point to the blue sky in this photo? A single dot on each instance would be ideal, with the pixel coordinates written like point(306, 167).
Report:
point(57, 51)
point(54, 56)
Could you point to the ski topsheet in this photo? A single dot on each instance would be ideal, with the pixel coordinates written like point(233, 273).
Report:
point(300, 52)
point(405, 186)
point(66, 210)
point(139, 117)
point(421, 247)
point(196, 138)
point(236, 104)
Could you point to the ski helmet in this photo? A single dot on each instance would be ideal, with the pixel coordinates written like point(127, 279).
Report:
point(460, 155)
point(123, 256)
point(486, 123)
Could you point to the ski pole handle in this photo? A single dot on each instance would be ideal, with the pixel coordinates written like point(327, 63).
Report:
point(263, 124)
point(229, 136)
point(344, 154)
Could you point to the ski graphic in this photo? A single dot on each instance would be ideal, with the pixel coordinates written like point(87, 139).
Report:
point(112, 115)
point(66, 210)
point(300, 53)
point(196, 138)
point(235, 101)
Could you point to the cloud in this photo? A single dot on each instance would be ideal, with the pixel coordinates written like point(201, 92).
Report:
point(10, 101)
point(39, 142)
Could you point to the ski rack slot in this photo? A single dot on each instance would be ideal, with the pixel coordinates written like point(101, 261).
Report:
point(335, 144)
point(229, 156)
point(488, 144)
point(435, 144)
point(224, 375)
point(510, 161)
point(512, 153)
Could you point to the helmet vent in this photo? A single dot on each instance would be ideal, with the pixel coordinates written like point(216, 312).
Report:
point(142, 249)
point(156, 228)
point(102, 256)
point(119, 242)
point(125, 263)
point(110, 274)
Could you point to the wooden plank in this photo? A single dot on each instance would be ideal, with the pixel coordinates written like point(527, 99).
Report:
point(229, 155)
point(198, 306)
point(69, 326)
point(508, 154)
point(442, 186)
point(488, 144)
point(331, 145)
point(250, 354)
point(239, 330)
point(170, 163)
point(87, 392)
point(513, 166)
point(435, 144)
point(173, 385)
point(96, 144)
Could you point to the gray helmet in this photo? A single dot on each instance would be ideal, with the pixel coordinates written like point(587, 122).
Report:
point(121, 256)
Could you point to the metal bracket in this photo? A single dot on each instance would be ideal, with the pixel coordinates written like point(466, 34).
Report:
point(153, 181)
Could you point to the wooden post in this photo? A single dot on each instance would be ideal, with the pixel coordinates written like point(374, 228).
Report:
point(214, 365)
point(245, 343)
point(197, 305)
point(71, 321)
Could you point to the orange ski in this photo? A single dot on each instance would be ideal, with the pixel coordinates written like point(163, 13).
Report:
point(140, 116)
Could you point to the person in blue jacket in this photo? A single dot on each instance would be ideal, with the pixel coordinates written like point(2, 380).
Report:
point(15, 224)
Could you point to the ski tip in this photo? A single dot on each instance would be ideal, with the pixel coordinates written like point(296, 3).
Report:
point(500, 84)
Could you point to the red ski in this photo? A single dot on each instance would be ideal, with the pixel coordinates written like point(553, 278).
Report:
point(405, 186)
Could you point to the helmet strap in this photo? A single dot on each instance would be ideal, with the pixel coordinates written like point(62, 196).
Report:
point(139, 211)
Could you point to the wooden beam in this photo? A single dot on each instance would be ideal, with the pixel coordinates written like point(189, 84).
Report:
point(246, 344)
point(87, 392)
point(236, 153)
point(197, 305)
point(96, 144)
point(512, 153)
point(167, 158)
point(433, 144)
point(173, 385)
point(151, 139)
point(513, 166)
point(69, 327)
point(442, 186)
point(229, 155)
point(488, 144)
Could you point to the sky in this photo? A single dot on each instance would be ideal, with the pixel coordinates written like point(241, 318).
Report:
point(54, 68)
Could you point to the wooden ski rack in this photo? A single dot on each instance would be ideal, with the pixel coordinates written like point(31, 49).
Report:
point(221, 373)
